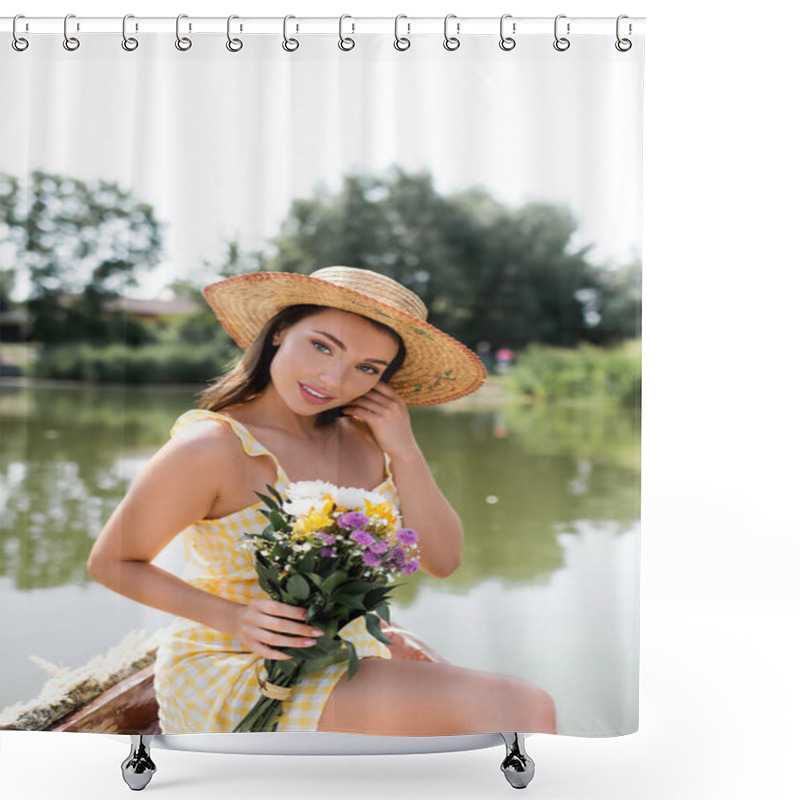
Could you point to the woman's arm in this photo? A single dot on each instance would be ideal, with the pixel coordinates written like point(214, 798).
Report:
point(424, 507)
point(176, 488)
point(426, 510)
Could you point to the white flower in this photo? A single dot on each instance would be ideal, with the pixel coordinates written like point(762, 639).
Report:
point(354, 499)
point(309, 489)
point(349, 498)
point(304, 495)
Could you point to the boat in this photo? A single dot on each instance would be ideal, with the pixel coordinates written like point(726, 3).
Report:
point(130, 706)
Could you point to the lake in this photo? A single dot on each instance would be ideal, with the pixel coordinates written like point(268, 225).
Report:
point(548, 589)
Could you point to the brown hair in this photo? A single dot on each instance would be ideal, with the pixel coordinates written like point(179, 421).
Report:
point(250, 375)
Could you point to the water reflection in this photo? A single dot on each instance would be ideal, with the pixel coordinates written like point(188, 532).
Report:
point(549, 499)
point(518, 477)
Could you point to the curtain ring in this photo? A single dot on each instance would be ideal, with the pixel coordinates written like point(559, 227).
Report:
point(561, 43)
point(18, 42)
point(623, 45)
point(350, 43)
point(70, 42)
point(451, 42)
point(401, 43)
point(182, 42)
point(289, 44)
point(234, 45)
point(506, 42)
point(129, 43)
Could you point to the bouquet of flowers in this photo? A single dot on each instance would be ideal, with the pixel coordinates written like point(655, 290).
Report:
point(337, 552)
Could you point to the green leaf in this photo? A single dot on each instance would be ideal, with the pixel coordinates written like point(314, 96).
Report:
point(269, 501)
point(286, 668)
point(315, 579)
point(352, 656)
point(348, 601)
point(311, 665)
point(306, 563)
point(382, 610)
point(333, 580)
point(328, 644)
point(267, 569)
point(278, 522)
point(374, 597)
point(279, 553)
point(374, 627)
point(357, 587)
point(298, 587)
point(276, 494)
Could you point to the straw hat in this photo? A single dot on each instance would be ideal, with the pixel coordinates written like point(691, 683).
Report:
point(437, 368)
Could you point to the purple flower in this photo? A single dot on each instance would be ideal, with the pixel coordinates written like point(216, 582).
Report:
point(381, 546)
point(397, 558)
point(362, 537)
point(412, 566)
point(371, 558)
point(326, 538)
point(327, 551)
point(406, 536)
point(352, 519)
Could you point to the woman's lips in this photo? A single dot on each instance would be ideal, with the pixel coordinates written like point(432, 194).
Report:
point(313, 395)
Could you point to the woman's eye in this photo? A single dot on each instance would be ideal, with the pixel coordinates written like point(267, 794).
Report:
point(368, 369)
point(323, 348)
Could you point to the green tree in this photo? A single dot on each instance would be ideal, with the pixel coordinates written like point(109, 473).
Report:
point(81, 245)
point(8, 279)
point(617, 303)
point(485, 271)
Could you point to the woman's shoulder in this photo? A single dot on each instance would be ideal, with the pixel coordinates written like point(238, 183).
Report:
point(193, 434)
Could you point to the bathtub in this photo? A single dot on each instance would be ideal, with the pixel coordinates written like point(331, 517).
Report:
point(138, 768)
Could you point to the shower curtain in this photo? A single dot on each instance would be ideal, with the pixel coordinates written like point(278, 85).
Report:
point(493, 170)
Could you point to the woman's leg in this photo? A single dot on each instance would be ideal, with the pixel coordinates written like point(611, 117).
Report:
point(392, 697)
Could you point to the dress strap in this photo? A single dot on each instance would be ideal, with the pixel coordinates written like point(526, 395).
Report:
point(249, 442)
point(387, 467)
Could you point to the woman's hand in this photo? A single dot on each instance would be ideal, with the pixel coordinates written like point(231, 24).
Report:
point(264, 622)
point(387, 415)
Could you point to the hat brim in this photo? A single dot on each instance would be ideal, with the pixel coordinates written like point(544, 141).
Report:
point(437, 367)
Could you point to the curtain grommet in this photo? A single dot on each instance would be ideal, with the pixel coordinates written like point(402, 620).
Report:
point(183, 43)
point(129, 43)
point(561, 43)
point(451, 42)
point(507, 42)
point(233, 44)
point(70, 43)
point(346, 43)
point(19, 43)
point(623, 45)
point(401, 43)
point(289, 44)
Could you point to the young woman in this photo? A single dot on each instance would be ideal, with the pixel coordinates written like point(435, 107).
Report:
point(332, 361)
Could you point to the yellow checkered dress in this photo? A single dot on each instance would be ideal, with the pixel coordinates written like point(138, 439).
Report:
point(205, 680)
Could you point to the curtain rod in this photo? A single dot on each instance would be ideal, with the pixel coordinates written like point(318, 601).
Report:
point(460, 26)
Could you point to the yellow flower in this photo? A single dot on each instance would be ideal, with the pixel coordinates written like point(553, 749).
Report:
point(315, 520)
point(381, 511)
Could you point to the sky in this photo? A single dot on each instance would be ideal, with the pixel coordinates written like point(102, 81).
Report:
point(221, 143)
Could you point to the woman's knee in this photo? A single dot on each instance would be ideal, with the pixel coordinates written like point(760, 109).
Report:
point(534, 705)
point(510, 704)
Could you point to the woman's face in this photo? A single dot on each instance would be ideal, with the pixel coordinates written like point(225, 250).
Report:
point(328, 359)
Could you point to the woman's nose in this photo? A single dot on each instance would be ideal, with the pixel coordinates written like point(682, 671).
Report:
point(330, 377)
